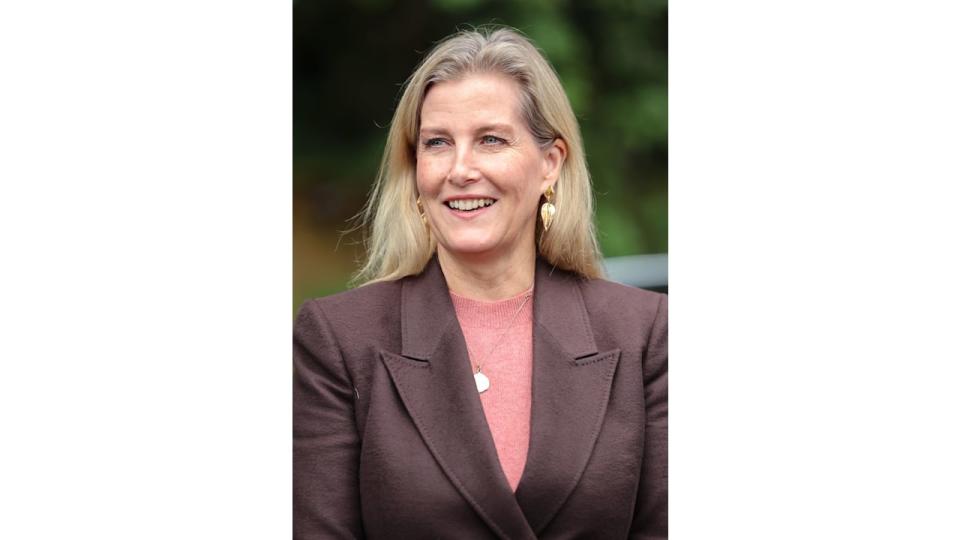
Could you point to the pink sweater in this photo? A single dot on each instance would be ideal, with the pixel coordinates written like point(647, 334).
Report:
point(506, 353)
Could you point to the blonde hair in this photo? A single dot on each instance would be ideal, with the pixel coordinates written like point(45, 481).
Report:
point(397, 243)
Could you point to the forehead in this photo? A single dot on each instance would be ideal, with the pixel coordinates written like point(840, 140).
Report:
point(473, 100)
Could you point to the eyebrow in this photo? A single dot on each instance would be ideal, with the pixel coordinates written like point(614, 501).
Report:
point(481, 129)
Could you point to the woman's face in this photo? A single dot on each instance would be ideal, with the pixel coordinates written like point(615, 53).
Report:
point(480, 172)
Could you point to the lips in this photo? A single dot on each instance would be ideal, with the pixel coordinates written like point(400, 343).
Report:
point(469, 205)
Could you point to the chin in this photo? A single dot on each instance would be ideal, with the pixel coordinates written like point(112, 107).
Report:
point(469, 249)
point(470, 246)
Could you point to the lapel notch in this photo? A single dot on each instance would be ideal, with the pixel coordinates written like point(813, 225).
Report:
point(439, 393)
point(571, 389)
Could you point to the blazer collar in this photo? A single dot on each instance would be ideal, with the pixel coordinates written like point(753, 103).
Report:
point(571, 387)
point(557, 307)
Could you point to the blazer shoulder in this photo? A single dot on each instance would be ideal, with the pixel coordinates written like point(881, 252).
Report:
point(362, 298)
point(359, 312)
point(625, 315)
point(600, 292)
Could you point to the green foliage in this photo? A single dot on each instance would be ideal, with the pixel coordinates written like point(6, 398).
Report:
point(351, 57)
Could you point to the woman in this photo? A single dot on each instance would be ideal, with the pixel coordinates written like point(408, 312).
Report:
point(484, 382)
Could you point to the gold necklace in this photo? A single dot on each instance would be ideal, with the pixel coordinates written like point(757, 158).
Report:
point(483, 382)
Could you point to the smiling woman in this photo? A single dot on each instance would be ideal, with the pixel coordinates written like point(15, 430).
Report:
point(477, 96)
point(481, 173)
point(484, 382)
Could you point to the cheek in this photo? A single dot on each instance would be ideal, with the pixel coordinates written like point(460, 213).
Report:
point(429, 175)
point(524, 180)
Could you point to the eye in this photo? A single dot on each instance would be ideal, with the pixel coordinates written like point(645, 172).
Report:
point(491, 139)
point(433, 143)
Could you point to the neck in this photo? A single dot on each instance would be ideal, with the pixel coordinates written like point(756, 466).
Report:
point(488, 278)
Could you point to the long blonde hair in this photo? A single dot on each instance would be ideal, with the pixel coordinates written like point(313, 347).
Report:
point(397, 243)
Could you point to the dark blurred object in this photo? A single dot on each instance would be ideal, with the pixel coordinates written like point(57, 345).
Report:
point(643, 271)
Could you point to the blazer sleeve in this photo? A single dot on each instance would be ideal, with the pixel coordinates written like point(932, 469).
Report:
point(650, 513)
point(326, 443)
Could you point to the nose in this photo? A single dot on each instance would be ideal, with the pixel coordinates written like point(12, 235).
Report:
point(463, 170)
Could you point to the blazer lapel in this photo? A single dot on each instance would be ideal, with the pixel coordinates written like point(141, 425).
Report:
point(435, 382)
point(571, 388)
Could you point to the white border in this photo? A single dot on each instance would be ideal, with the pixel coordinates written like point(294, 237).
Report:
point(814, 270)
point(145, 284)
point(145, 222)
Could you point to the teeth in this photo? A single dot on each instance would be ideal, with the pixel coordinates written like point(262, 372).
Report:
point(469, 204)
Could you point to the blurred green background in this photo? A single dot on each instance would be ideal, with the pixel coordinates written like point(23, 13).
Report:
point(351, 57)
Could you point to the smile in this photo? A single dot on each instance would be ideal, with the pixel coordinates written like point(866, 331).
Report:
point(469, 205)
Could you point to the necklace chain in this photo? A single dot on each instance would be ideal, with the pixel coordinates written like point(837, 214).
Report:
point(505, 329)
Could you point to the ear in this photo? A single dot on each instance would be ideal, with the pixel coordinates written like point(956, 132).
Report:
point(553, 158)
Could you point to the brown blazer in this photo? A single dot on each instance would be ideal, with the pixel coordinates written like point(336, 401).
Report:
point(390, 439)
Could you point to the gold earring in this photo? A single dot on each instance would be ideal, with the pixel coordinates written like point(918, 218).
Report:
point(423, 215)
point(547, 209)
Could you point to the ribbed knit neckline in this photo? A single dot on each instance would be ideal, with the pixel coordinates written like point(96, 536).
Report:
point(497, 314)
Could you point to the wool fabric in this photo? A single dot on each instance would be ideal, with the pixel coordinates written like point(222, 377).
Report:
point(499, 336)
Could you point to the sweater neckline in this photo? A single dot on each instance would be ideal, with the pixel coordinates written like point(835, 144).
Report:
point(496, 314)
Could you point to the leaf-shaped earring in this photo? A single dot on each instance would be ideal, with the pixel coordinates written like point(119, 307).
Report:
point(547, 209)
point(423, 215)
